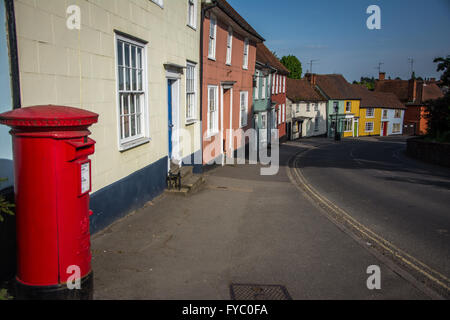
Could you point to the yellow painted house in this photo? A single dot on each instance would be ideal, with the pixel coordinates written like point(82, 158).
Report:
point(350, 122)
point(370, 121)
point(371, 109)
point(343, 109)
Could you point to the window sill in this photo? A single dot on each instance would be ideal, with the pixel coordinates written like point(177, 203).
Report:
point(245, 68)
point(159, 5)
point(228, 64)
point(212, 134)
point(190, 122)
point(212, 58)
point(133, 144)
point(192, 27)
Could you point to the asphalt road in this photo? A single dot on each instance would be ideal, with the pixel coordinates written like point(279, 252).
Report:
point(405, 201)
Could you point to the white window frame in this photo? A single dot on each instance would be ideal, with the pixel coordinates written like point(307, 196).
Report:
point(284, 84)
point(284, 114)
point(348, 125)
point(385, 113)
point(365, 127)
point(243, 108)
point(246, 52)
point(348, 106)
point(273, 83)
point(159, 3)
point(212, 40)
point(140, 97)
point(308, 107)
point(276, 83)
point(399, 113)
point(263, 87)
point(370, 113)
point(229, 46)
point(257, 85)
point(192, 4)
point(193, 117)
point(280, 83)
point(316, 107)
point(399, 128)
point(213, 131)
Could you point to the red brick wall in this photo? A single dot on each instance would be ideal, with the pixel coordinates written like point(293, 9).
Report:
point(216, 71)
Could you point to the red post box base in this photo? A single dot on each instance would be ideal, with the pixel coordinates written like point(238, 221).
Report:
point(57, 292)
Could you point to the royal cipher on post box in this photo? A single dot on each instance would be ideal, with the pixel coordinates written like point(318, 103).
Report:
point(52, 184)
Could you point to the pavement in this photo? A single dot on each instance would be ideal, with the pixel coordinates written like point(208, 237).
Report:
point(240, 228)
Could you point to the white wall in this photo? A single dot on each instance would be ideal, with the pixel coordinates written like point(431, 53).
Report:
point(391, 120)
point(51, 57)
point(308, 128)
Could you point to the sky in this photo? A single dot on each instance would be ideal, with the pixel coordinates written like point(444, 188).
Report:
point(335, 33)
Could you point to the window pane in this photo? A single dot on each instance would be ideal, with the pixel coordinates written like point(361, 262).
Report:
point(133, 72)
point(133, 125)
point(139, 99)
point(139, 58)
point(138, 122)
point(127, 55)
point(126, 108)
point(212, 28)
point(121, 84)
point(133, 56)
point(120, 53)
point(139, 80)
point(132, 105)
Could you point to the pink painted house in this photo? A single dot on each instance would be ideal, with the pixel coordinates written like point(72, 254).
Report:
point(228, 53)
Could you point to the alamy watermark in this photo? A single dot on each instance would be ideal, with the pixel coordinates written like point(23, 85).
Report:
point(374, 280)
point(74, 280)
point(73, 21)
point(374, 20)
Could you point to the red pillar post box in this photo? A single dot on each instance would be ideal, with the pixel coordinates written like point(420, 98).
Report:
point(52, 184)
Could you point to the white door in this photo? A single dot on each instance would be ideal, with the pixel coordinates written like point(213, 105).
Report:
point(174, 119)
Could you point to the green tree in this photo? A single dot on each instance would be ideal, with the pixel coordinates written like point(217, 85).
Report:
point(293, 65)
point(438, 118)
point(5, 206)
point(438, 111)
point(444, 65)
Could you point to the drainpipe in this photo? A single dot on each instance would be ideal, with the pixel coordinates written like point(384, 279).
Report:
point(203, 13)
point(13, 54)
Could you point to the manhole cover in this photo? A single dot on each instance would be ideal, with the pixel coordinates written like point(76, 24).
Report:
point(258, 292)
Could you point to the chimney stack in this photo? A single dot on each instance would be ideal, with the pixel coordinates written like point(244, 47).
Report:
point(412, 90)
point(311, 77)
point(382, 76)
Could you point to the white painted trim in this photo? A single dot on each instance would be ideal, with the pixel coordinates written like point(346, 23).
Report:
point(212, 56)
point(210, 133)
point(144, 137)
point(230, 143)
point(194, 25)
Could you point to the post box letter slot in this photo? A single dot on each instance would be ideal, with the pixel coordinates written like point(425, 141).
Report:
point(81, 149)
